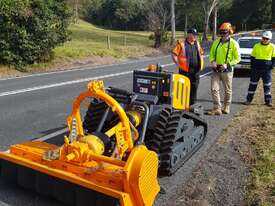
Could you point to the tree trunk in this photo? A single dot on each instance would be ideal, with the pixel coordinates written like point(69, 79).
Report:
point(186, 24)
point(76, 11)
point(273, 14)
point(206, 27)
point(208, 8)
point(214, 34)
point(173, 23)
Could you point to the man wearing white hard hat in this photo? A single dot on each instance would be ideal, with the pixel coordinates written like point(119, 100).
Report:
point(262, 63)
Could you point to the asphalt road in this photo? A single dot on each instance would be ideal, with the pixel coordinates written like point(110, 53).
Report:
point(36, 106)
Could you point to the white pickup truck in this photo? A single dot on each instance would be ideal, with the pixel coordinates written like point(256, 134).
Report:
point(246, 46)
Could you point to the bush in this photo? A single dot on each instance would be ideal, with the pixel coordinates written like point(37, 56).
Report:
point(31, 29)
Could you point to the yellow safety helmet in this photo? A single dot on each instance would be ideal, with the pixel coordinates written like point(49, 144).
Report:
point(227, 26)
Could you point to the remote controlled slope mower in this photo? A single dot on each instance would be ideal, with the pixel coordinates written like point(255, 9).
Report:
point(113, 157)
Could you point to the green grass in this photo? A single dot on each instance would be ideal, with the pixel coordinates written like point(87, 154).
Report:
point(261, 185)
point(260, 137)
point(88, 40)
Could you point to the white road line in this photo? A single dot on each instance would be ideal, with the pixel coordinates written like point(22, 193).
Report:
point(68, 83)
point(60, 84)
point(19, 91)
point(203, 75)
point(87, 67)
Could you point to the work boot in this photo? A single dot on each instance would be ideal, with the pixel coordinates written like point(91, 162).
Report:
point(215, 111)
point(269, 104)
point(226, 109)
point(247, 103)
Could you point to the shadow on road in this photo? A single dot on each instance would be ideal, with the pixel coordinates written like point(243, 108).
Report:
point(210, 101)
point(50, 131)
point(242, 73)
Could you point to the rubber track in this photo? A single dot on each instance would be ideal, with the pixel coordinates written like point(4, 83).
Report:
point(52, 187)
point(170, 139)
point(93, 116)
point(155, 138)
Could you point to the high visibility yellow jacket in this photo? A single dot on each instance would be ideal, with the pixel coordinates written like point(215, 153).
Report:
point(225, 53)
point(263, 56)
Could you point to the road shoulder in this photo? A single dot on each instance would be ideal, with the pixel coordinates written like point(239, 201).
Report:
point(240, 167)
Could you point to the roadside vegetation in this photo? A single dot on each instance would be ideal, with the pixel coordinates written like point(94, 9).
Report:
point(90, 45)
point(239, 168)
point(88, 40)
point(258, 151)
point(31, 29)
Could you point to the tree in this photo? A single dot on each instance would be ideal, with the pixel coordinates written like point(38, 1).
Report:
point(257, 13)
point(77, 8)
point(208, 6)
point(116, 14)
point(128, 10)
point(215, 15)
point(173, 22)
point(221, 5)
point(158, 18)
point(31, 29)
point(187, 14)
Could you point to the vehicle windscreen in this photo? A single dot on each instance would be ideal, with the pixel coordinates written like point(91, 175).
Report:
point(248, 43)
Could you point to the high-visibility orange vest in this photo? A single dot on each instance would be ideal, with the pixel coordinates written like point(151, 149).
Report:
point(183, 59)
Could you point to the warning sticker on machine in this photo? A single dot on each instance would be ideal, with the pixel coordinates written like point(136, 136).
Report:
point(143, 81)
point(143, 90)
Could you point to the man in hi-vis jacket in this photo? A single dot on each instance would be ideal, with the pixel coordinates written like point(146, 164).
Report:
point(262, 63)
point(188, 56)
point(224, 54)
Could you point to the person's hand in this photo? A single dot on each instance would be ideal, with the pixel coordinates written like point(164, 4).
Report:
point(214, 65)
point(224, 66)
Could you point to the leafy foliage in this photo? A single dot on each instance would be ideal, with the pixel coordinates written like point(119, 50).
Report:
point(257, 13)
point(117, 14)
point(31, 29)
point(133, 15)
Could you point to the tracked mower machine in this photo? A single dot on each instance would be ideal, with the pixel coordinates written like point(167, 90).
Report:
point(112, 156)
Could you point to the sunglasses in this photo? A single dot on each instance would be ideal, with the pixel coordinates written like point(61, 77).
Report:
point(224, 32)
point(265, 39)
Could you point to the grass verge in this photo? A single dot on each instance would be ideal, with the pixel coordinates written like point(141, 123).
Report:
point(257, 148)
point(239, 168)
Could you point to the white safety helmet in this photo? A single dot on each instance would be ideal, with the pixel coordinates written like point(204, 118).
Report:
point(267, 34)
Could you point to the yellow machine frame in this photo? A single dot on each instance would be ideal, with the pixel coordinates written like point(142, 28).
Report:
point(181, 92)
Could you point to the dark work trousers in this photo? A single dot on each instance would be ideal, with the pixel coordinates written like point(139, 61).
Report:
point(256, 74)
point(194, 80)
